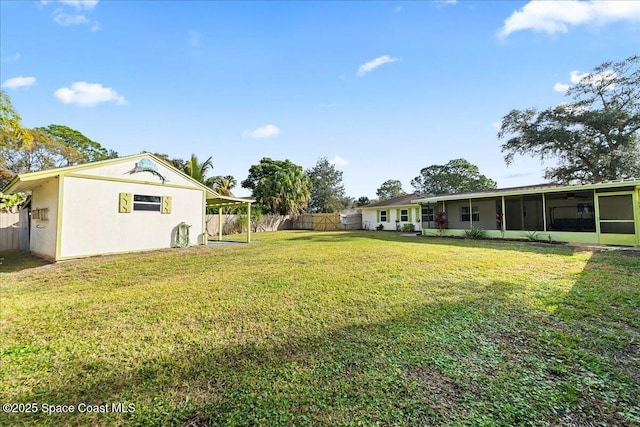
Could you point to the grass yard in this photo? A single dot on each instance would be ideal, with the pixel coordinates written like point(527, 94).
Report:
point(335, 329)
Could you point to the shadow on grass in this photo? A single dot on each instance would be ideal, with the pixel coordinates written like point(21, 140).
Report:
point(390, 236)
point(474, 360)
point(11, 262)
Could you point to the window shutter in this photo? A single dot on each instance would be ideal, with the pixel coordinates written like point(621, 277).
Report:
point(125, 205)
point(166, 205)
point(409, 214)
point(377, 216)
point(397, 214)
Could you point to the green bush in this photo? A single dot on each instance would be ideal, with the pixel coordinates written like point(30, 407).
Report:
point(531, 235)
point(408, 227)
point(380, 227)
point(475, 233)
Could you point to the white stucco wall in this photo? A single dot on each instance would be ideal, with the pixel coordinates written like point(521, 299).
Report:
point(42, 238)
point(92, 223)
point(370, 217)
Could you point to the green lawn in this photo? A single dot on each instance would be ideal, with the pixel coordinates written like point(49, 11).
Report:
point(302, 328)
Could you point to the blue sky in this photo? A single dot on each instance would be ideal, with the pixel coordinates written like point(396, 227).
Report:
point(383, 89)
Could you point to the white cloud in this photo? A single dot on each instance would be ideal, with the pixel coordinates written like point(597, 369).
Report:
point(14, 57)
point(338, 161)
point(66, 20)
point(88, 94)
point(561, 87)
point(594, 79)
point(372, 65)
point(497, 125)
point(556, 16)
point(265, 131)
point(80, 4)
point(18, 82)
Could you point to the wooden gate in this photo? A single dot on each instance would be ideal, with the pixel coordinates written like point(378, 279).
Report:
point(326, 222)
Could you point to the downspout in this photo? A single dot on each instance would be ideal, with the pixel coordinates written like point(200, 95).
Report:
point(248, 222)
point(544, 213)
point(504, 217)
point(522, 227)
point(596, 208)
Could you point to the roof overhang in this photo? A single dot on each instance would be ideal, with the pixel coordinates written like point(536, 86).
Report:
point(524, 191)
point(215, 200)
point(22, 183)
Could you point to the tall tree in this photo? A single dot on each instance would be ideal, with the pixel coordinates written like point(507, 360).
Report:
point(362, 201)
point(457, 176)
point(25, 150)
point(179, 164)
point(327, 192)
point(90, 150)
point(222, 184)
point(281, 187)
point(593, 138)
point(389, 189)
point(198, 170)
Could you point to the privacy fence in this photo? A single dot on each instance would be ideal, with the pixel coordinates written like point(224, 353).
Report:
point(319, 222)
point(9, 232)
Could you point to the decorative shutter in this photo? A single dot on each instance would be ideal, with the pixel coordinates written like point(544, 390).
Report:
point(409, 211)
point(125, 205)
point(397, 214)
point(166, 205)
point(378, 216)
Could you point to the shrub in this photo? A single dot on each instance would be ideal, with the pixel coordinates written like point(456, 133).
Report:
point(441, 221)
point(531, 235)
point(380, 227)
point(408, 227)
point(475, 233)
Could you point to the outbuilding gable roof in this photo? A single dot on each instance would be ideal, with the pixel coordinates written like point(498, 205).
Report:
point(28, 181)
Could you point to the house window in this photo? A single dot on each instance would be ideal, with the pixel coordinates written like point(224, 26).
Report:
point(147, 203)
point(465, 216)
point(383, 216)
point(427, 214)
point(404, 215)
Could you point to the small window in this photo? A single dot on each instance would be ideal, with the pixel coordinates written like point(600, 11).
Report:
point(147, 203)
point(383, 216)
point(404, 215)
point(427, 214)
point(464, 213)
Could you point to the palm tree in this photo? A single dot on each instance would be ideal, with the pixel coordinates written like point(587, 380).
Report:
point(197, 170)
point(221, 184)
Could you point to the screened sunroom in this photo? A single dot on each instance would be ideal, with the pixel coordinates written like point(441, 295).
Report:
point(606, 213)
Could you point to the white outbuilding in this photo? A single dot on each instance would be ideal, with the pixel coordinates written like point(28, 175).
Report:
point(127, 204)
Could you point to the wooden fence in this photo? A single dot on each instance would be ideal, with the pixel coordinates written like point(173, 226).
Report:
point(9, 232)
point(231, 223)
point(328, 222)
point(319, 222)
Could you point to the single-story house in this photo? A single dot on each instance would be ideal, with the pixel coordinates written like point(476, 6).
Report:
point(603, 213)
point(126, 204)
point(392, 214)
